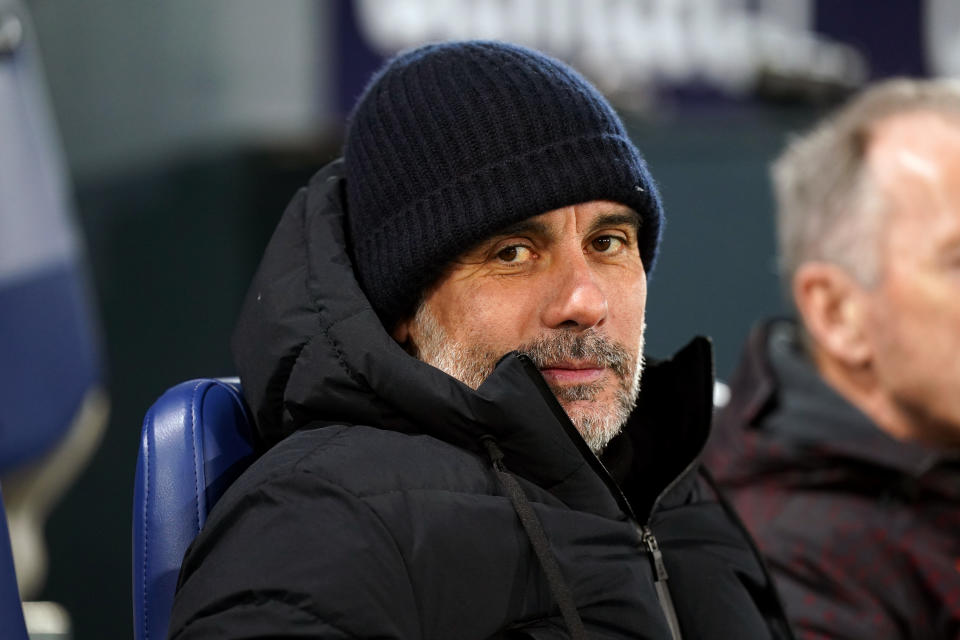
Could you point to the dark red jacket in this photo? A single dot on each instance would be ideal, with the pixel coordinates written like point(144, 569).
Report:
point(861, 531)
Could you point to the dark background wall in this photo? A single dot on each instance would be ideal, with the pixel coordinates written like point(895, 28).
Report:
point(188, 126)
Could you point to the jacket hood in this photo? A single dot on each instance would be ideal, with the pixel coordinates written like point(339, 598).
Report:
point(783, 419)
point(310, 350)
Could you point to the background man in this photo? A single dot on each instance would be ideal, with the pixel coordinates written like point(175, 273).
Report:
point(840, 443)
point(492, 219)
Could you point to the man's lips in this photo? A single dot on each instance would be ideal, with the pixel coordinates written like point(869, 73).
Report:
point(570, 373)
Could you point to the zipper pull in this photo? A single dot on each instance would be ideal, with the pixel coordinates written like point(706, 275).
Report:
point(650, 541)
point(663, 591)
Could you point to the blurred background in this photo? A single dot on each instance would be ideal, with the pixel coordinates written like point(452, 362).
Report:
point(179, 130)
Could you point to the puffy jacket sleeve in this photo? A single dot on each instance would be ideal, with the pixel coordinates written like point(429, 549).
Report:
point(296, 557)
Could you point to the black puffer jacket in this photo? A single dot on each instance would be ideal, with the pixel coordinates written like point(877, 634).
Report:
point(383, 509)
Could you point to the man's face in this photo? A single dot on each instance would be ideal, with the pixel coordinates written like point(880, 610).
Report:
point(566, 287)
point(913, 314)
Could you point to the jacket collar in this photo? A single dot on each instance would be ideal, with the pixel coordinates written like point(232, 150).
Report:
point(778, 397)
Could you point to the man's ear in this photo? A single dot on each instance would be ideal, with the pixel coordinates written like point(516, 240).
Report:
point(832, 305)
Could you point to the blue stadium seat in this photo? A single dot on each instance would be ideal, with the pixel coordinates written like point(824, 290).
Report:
point(196, 440)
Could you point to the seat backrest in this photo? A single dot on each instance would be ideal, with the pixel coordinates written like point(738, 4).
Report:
point(11, 609)
point(196, 440)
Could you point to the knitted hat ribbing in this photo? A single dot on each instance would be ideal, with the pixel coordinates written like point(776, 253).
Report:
point(451, 142)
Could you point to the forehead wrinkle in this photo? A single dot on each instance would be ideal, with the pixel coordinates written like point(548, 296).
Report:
point(536, 226)
point(527, 226)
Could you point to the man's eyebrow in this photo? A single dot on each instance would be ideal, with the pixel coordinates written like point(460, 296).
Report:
point(624, 216)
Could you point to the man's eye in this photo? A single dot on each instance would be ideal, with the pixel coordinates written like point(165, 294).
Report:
point(607, 244)
point(514, 254)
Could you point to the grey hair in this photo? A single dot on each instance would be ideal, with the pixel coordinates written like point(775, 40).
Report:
point(828, 208)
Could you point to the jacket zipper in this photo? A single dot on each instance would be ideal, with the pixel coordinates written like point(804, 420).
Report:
point(647, 538)
point(660, 581)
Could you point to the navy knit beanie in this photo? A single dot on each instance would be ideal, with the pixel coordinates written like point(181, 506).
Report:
point(449, 143)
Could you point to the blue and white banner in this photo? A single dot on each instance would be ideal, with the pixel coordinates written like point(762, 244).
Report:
point(49, 345)
point(643, 52)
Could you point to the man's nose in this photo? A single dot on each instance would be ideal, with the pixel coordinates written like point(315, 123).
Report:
point(575, 299)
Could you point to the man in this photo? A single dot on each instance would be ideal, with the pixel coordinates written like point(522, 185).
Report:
point(840, 443)
point(443, 336)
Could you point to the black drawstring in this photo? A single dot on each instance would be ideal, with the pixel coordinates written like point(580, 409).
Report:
point(538, 540)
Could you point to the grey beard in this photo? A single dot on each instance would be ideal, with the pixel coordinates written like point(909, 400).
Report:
point(472, 364)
